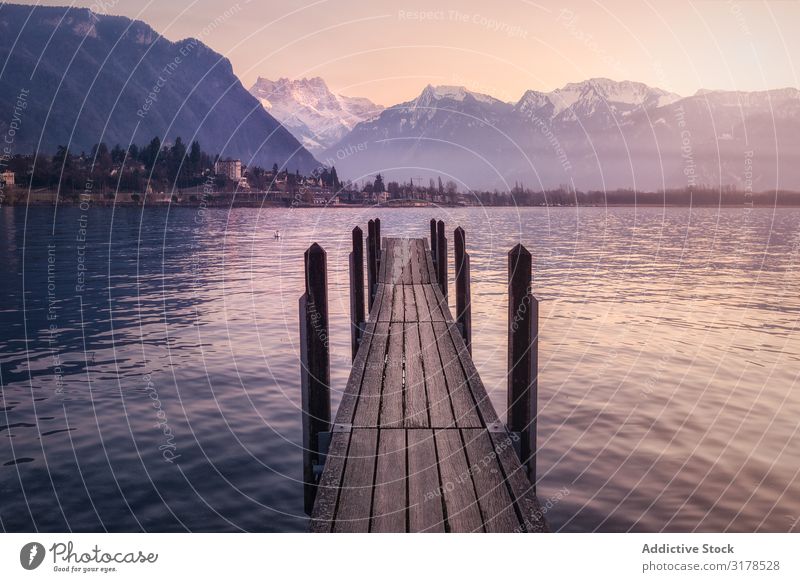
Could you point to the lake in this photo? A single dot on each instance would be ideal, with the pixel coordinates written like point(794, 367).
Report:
point(150, 374)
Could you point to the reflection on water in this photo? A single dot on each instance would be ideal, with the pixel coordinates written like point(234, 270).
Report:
point(150, 376)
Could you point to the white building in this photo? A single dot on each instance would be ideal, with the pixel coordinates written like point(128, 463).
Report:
point(230, 168)
point(321, 199)
point(7, 178)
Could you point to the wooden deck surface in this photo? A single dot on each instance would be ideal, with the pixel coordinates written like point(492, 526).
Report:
point(416, 445)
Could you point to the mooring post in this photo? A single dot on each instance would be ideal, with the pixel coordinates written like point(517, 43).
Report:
point(463, 294)
point(434, 252)
point(357, 290)
point(523, 359)
point(441, 261)
point(315, 368)
point(372, 271)
point(378, 247)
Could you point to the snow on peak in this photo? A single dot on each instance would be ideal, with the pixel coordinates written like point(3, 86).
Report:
point(620, 97)
point(626, 93)
point(310, 110)
point(454, 92)
point(535, 105)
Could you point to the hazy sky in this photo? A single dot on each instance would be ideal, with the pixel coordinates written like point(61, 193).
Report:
point(388, 51)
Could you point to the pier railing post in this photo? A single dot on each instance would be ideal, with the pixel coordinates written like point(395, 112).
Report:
point(434, 240)
point(315, 367)
point(378, 246)
point(441, 261)
point(372, 270)
point(523, 347)
point(463, 294)
point(357, 290)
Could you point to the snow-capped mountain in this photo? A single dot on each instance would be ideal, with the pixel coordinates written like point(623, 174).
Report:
point(602, 101)
point(419, 136)
point(594, 134)
point(307, 108)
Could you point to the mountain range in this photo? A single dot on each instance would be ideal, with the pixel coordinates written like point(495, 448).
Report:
point(594, 134)
point(89, 78)
point(316, 116)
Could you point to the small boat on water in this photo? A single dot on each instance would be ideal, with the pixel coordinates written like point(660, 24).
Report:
point(277, 234)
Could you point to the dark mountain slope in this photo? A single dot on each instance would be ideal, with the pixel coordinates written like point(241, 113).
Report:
point(93, 78)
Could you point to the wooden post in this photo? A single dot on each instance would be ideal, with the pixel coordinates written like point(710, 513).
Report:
point(523, 350)
point(315, 366)
point(357, 290)
point(434, 240)
point(378, 247)
point(463, 294)
point(372, 272)
point(441, 261)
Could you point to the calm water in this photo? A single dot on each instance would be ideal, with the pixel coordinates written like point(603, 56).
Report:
point(669, 362)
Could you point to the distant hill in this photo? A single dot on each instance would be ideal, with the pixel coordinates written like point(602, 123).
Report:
point(92, 78)
point(597, 134)
point(311, 111)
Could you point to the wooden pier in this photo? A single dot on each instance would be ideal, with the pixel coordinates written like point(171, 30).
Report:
point(416, 445)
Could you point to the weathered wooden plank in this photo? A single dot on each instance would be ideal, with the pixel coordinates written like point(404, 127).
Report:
point(425, 512)
point(485, 407)
point(355, 501)
point(461, 503)
point(388, 295)
point(392, 392)
point(434, 303)
point(328, 487)
point(398, 304)
point(347, 406)
point(396, 265)
point(396, 273)
point(383, 268)
point(415, 264)
point(380, 290)
point(408, 258)
point(368, 405)
point(439, 300)
point(522, 491)
point(424, 255)
point(416, 399)
point(421, 303)
point(386, 261)
point(441, 412)
point(428, 257)
point(390, 503)
point(400, 260)
point(497, 507)
point(457, 385)
point(422, 266)
point(409, 304)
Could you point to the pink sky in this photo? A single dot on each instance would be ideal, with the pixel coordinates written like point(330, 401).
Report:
point(388, 51)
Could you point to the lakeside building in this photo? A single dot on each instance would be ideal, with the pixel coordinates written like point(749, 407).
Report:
point(7, 178)
point(232, 169)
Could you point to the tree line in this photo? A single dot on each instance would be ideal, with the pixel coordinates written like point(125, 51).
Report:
point(161, 166)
